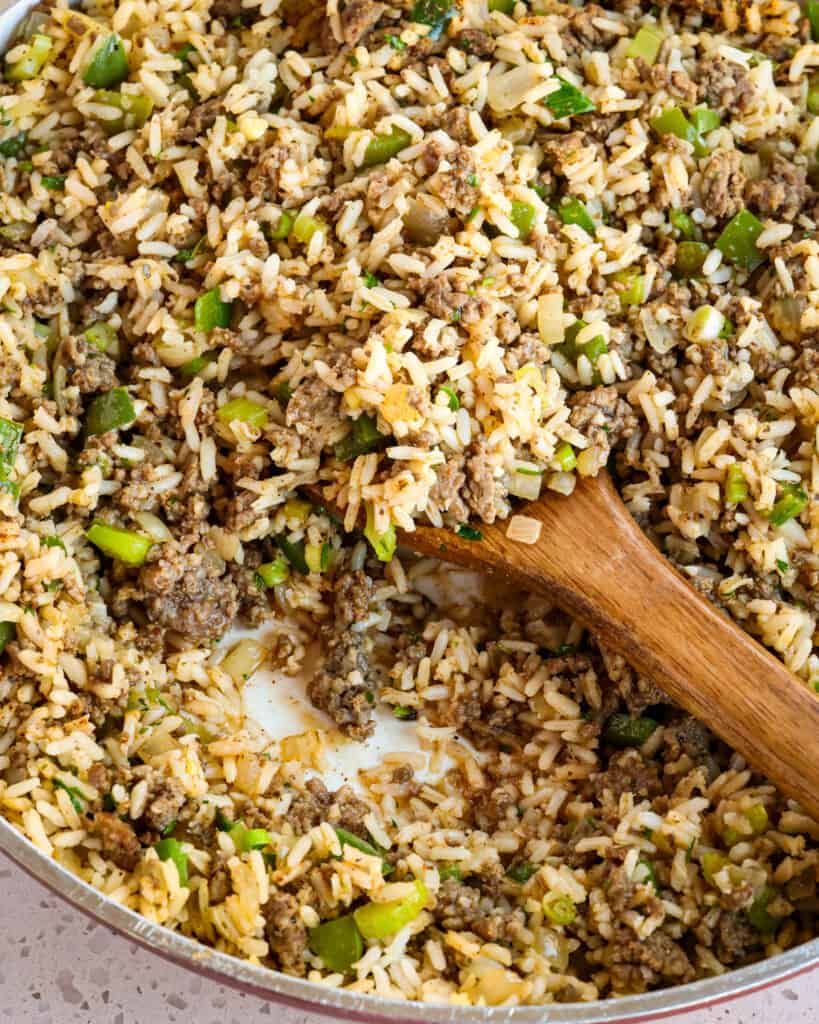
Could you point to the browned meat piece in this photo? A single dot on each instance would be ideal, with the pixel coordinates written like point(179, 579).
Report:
point(312, 411)
point(458, 187)
point(657, 77)
point(87, 368)
point(226, 10)
point(254, 606)
point(806, 368)
point(528, 349)
point(165, 800)
point(456, 124)
point(723, 184)
point(137, 494)
point(628, 772)
point(582, 33)
point(119, 841)
point(483, 491)
point(784, 193)
point(694, 738)
point(473, 40)
point(445, 303)
point(358, 18)
point(200, 119)
point(737, 937)
point(316, 804)
point(461, 907)
point(658, 953)
point(602, 416)
point(342, 688)
point(725, 86)
point(637, 691)
point(445, 493)
point(285, 932)
point(189, 594)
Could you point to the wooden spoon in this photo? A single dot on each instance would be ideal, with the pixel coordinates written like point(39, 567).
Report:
point(593, 560)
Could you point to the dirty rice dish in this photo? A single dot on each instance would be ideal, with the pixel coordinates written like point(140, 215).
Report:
point(435, 258)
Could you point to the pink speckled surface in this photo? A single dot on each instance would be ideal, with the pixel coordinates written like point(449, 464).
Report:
point(58, 967)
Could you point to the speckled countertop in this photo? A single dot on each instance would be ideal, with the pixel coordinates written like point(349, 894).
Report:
point(58, 967)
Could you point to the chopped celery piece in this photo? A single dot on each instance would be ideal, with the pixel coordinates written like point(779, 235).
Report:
point(789, 506)
point(383, 544)
point(385, 147)
point(109, 64)
point(435, 13)
point(101, 335)
point(338, 944)
point(566, 457)
point(625, 731)
point(523, 217)
point(284, 227)
point(573, 211)
point(210, 311)
point(109, 411)
point(134, 109)
point(559, 909)
point(705, 120)
point(244, 410)
point(273, 573)
point(673, 121)
point(633, 292)
point(736, 489)
point(14, 145)
point(646, 43)
point(690, 258)
point(305, 226)
point(10, 434)
point(705, 324)
point(293, 551)
point(568, 100)
point(379, 920)
point(8, 631)
point(31, 63)
point(738, 240)
point(123, 545)
point(171, 849)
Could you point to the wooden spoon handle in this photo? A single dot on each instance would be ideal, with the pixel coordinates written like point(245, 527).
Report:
point(593, 560)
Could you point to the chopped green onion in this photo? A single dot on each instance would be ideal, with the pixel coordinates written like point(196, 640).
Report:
point(435, 13)
point(293, 551)
point(395, 42)
point(633, 292)
point(283, 392)
point(523, 217)
point(109, 411)
point(197, 364)
point(404, 713)
point(370, 280)
point(10, 435)
point(453, 402)
point(171, 849)
point(383, 544)
point(13, 146)
point(134, 111)
point(284, 227)
point(74, 795)
point(338, 944)
point(690, 258)
point(450, 871)
point(646, 44)
point(247, 839)
point(243, 410)
point(53, 182)
point(559, 909)
point(790, 505)
point(305, 226)
point(680, 220)
point(210, 311)
point(317, 556)
point(351, 839)
point(8, 631)
point(758, 914)
point(384, 147)
point(364, 438)
point(738, 240)
point(101, 335)
point(568, 100)
point(186, 255)
point(573, 211)
point(782, 566)
point(469, 532)
point(625, 731)
point(705, 120)
point(521, 872)
point(566, 457)
point(273, 573)
point(673, 121)
point(53, 542)
point(123, 545)
point(736, 489)
point(380, 920)
point(31, 63)
point(648, 872)
point(109, 65)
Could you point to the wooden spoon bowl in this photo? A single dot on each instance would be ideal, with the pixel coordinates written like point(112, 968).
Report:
point(593, 560)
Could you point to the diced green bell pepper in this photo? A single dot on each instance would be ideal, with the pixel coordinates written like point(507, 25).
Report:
point(244, 410)
point(171, 849)
point(338, 944)
point(31, 63)
point(108, 66)
point(134, 110)
point(109, 411)
point(738, 240)
point(380, 920)
point(210, 311)
point(123, 545)
point(384, 147)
